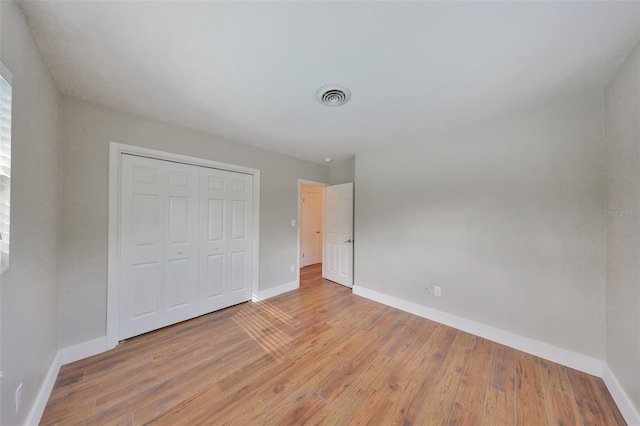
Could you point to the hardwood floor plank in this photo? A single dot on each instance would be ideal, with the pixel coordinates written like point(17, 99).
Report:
point(374, 407)
point(124, 420)
point(69, 396)
point(357, 362)
point(615, 411)
point(390, 371)
point(192, 409)
point(443, 393)
point(554, 376)
point(151, 391)
point(461, 416)
point(499, 408)
point(242, 413)
point(591, 404)
point(407, 406)
point(475, 379)
point(320, 365)
point(294, 409)
point(437, 351)
point(465, 340)
point(320, 355)
point(427, 376)
point(528, 379)
point(531, 358)
point(561, 408)
point(503, 369)
point(252, 371)
point(151, 410)
point(370, 379)
point(69, 376)
point(530, 405)
point(395, 380)
point(531, 411)
point(59, 413)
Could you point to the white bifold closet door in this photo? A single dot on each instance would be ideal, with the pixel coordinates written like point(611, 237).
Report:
point(185, 242)
point(225, 239)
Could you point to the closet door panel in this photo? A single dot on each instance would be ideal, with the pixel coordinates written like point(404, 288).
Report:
point(214, 237)
point(241, 212)
point(214, 282)
point(225, 275)
point(182, 197)
point(142, 269)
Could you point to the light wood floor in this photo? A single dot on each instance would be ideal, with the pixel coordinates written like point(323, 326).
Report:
point(320, 355)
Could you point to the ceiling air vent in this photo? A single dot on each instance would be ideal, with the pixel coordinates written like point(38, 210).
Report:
point(333, 95)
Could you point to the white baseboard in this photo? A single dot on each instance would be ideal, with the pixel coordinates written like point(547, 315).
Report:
point(275, 291)
point(64, 356)
point(628, 410)
point(543, 350)
point(35, 414)
point(84, 350)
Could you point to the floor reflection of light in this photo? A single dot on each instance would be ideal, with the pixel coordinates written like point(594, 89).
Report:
point(281, 315)
point(268, 326)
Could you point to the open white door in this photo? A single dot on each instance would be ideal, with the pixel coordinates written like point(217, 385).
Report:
point(338, 242)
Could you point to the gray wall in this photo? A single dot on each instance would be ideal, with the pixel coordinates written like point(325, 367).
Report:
point(29, 290)
point(506, 216)
point(87, 130)
point(343, 171)
point(622, 122)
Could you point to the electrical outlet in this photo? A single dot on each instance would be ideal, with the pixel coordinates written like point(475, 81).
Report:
point(437, 291)
point(293, 268)
point(427, 289)
point(18, 398)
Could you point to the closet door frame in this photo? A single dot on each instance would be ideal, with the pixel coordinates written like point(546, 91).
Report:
point(116, 150)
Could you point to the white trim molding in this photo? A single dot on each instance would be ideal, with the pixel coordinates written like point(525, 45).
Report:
point(275, 291)
point(626, 407)
point(113, 269)
point(40, 403)
point(561, 356)
point(84, 350)
point(63, 356)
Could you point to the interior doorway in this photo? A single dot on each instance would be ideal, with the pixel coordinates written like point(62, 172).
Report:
point(311, 224)
point(325, 229)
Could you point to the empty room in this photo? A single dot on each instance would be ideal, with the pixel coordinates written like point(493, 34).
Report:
point(319, 212)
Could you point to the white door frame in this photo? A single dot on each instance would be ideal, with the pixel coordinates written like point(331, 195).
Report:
point(113, 258)
point(300, 183)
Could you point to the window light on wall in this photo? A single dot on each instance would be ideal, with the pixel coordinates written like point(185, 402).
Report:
point(5, 166)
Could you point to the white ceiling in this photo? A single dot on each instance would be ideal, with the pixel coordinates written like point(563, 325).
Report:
point(249, 71)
